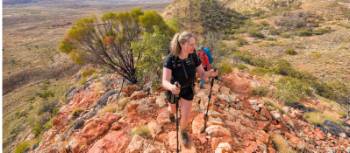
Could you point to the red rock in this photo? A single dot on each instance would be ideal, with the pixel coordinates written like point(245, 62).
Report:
point(214, 142)
point(136, 144)
point(247, 134)
point(93, 129)
point(261, 125)
point(113, 142)
point(237, 83)
point(266, 113)
point(83, 100)
point(262, 137)
point(347, 122)
point(271, 149)
point(162, 137)
point(138, 95)
point(154, 128)
point(116, 126)
point(247, 123)
point(250, 146)
point(201, 137)
point(198, 124)
point(217, 131)
point(292, 138)
point(60, 121)
point(223, 148)
point(319, 134)
point(235, 127)
point(163, 117)
point(132, 108)
point(288, 120)
point(172, 140)
point(128, 90)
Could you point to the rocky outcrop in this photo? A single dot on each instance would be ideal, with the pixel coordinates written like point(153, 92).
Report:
point(140, 123)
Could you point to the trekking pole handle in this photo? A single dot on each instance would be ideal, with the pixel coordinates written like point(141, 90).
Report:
point(217, 77)
point(177, 84)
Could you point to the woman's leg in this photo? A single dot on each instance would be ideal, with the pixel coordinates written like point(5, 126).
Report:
point(186, 108)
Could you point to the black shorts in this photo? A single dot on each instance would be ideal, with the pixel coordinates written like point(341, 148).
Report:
point(185, 93)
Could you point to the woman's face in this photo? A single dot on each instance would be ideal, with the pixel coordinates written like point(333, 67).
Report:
point(189, 46)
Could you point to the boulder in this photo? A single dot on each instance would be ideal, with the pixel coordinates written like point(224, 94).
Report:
point(223, 147)
point(217, 131)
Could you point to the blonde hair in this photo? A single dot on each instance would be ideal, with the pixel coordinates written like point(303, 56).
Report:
point(178, 40)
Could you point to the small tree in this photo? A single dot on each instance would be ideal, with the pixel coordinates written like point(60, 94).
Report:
point(151, 50)
point(108, 41)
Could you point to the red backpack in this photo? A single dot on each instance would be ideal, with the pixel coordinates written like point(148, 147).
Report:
point(204, 59)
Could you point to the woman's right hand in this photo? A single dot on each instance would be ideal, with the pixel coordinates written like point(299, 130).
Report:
point(175, 89)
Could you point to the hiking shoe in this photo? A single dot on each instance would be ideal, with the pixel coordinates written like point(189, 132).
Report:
point(185, 138)
point(172, 118)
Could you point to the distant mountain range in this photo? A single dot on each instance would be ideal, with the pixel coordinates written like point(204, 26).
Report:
point(122, 2)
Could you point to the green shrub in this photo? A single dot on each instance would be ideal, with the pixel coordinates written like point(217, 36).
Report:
point(37, 128)
point(45, 94)
point(321, 31)
point(260, 91)
point(241, 66)
point(260, 71)
point(76, 113)
point(317, 118)
point(283, 67)
point(311, 32)
point(88, 72)
point(291, 90)
point(41, 123)
point(48, 125)
point(304, 32)
point(315, 55)
point(274, 31)
point(225, 67)
point(49, 107)
point(291, 51)
point(249, 59)
point(256, 34)
point(20, 114)
point(241, 42)
point(23, 147)
point(334, 90)
point(286, 34)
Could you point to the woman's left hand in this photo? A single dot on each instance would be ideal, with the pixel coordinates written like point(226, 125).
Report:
point(213, 73)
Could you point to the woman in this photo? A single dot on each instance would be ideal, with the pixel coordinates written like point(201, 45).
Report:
point(181, 66)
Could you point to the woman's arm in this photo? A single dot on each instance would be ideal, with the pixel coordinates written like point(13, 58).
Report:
point(205, 74)
point(166, 81)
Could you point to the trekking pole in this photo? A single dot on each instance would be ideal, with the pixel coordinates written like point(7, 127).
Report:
point(176, 100)
point(206, 113)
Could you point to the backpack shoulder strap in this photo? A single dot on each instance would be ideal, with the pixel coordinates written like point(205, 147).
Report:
point(173, 61)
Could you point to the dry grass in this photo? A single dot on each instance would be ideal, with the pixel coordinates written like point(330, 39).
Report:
point(112, 108)
point(31, 35)
point(142, 130)
point(21, 108)
point(281, 144)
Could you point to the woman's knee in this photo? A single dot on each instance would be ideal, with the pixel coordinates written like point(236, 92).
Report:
point(186, 106)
